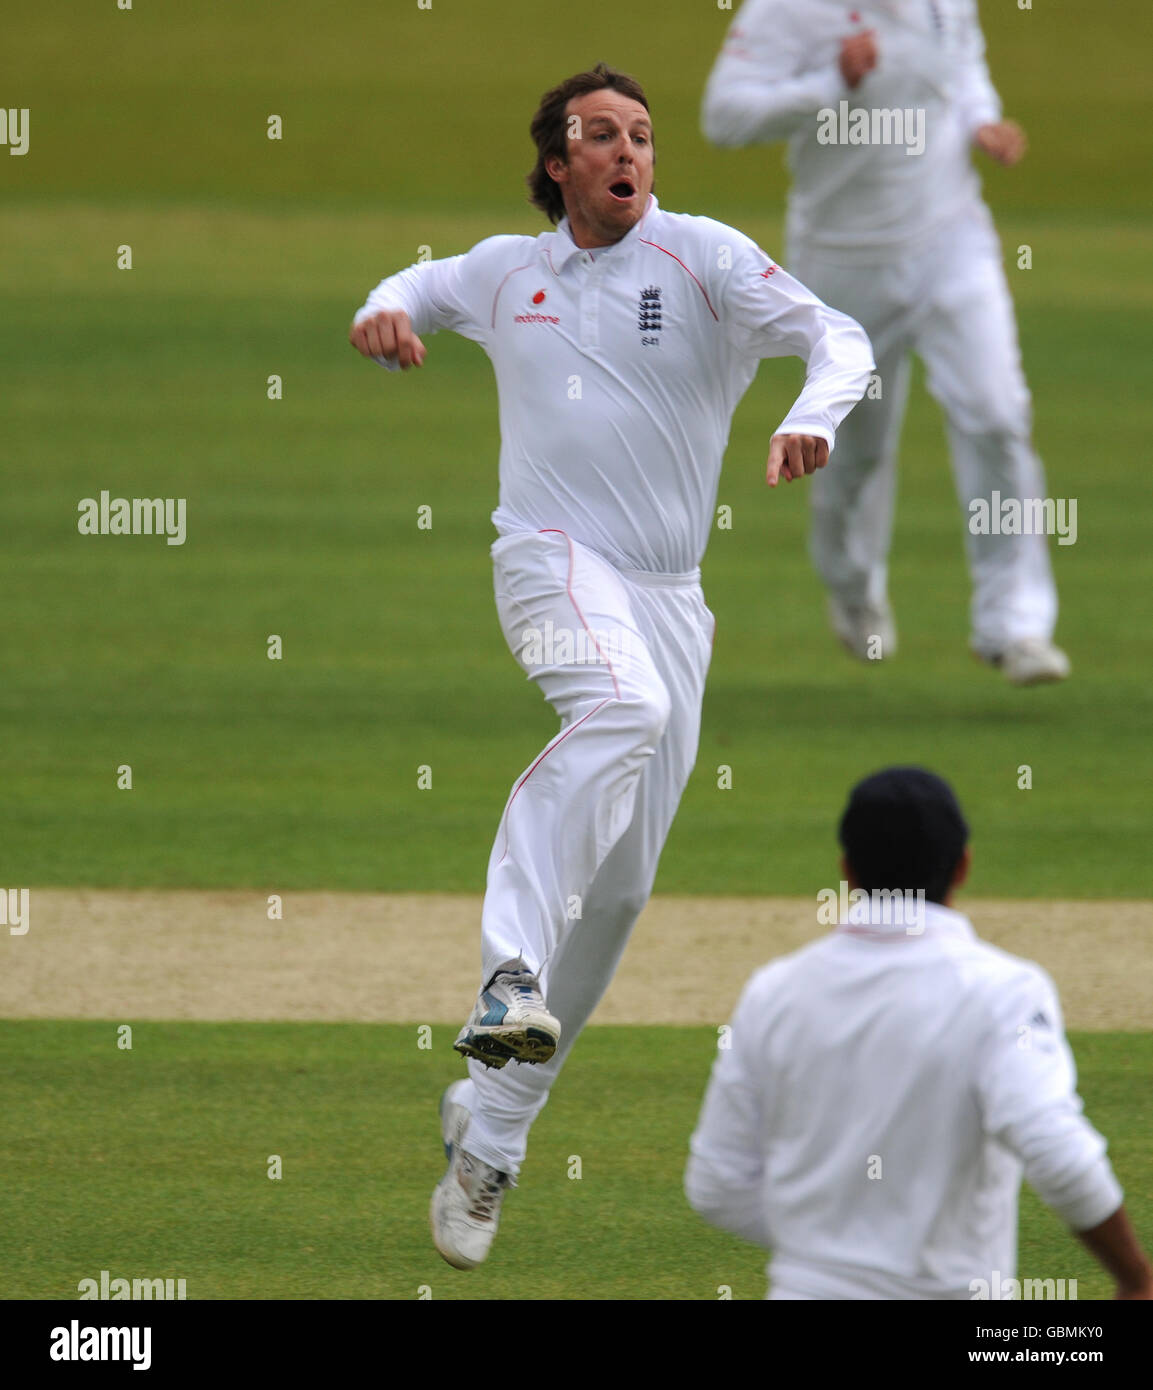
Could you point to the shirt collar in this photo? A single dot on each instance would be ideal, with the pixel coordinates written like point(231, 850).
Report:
point(559, 247)
point(879, 919)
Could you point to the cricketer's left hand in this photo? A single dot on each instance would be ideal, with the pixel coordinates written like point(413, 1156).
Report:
point(795, 455)
point(1003, 141)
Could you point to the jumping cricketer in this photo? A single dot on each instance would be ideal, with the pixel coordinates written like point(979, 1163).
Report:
point(622, 343)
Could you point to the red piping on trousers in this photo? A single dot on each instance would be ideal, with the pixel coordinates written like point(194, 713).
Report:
point(543, 756)
point(555, 531)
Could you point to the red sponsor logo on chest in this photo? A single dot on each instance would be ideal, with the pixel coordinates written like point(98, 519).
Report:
point(538, 298)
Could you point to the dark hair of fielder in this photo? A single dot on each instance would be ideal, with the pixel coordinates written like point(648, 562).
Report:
point(549, 129)
point(903, 829)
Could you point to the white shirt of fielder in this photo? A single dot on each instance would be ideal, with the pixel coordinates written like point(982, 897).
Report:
point(779, 67)
point(619, 367)
point(883, 1095)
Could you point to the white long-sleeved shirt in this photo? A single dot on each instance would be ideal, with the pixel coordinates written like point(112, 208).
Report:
point(778, 70)
point(618, 371)
point(881, 1096)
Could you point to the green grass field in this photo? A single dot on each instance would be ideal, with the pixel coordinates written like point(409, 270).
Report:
point(154, 1163)
point(406, 128)
point(249, 257)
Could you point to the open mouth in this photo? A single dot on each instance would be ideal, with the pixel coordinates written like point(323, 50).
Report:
point(622, 190)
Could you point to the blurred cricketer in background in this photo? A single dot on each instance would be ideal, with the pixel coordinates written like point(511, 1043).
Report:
point(622, 343)
point(881, 105)
point(885, 1088)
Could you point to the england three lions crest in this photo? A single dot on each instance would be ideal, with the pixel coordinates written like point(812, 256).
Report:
point(649, 316)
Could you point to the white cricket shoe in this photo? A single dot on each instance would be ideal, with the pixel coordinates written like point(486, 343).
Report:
point(510, 1022)
point(1031, 661)
point(867, 630)
point(465, 1208)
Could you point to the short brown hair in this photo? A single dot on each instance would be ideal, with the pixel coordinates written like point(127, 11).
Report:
point(549, 130)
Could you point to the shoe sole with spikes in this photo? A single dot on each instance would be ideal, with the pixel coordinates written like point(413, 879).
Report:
point(510, 1023)
point(496, 1047)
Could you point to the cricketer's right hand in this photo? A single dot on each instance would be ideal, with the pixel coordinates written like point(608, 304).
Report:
point(388, 334)
point(858, 56)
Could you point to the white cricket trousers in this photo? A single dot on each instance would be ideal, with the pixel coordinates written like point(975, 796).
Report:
point(949, 302)
point(621, 655)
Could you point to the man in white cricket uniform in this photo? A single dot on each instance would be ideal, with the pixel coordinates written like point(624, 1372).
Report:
point(883, 1090)
point(881, 104)
point(622, 343)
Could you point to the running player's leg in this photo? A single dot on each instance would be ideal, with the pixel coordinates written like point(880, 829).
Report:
point(853, 499)
point(853, 504)
point(504, 1103)
point(969, 343)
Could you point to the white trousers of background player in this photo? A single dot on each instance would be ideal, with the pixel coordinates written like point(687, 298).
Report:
point(587, 820)
point(948, 302)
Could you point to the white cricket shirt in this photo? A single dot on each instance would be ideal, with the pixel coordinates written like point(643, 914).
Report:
point(779, 69)
point(882, 1097)
point(618, 370)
